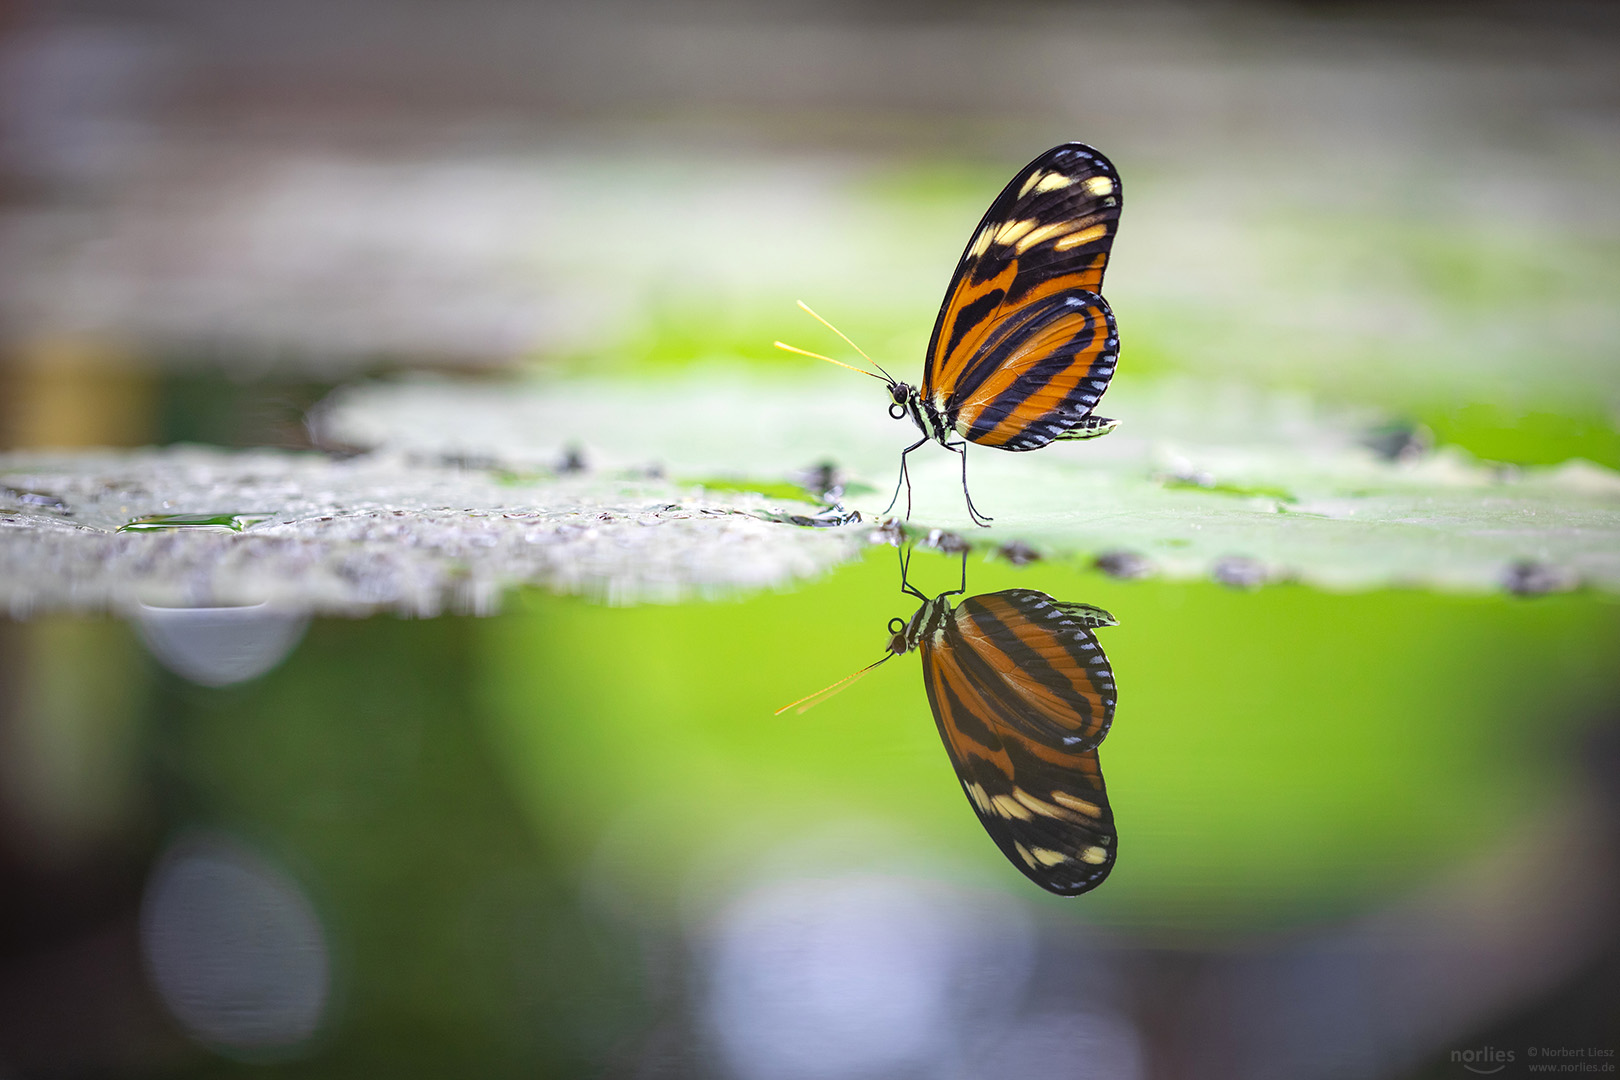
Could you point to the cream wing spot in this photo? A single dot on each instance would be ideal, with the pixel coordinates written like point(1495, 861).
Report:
point(1009, 808)
point(981, 243)
point(1098, 186)
point(1045, 232)
point(1054, 182)
point(1063, 798)
point(1012, 230)
point(1048, 857)
point(1094, 855)
point(1045, 809)
point(1084, 236)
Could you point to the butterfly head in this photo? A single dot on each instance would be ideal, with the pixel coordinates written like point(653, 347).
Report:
point(902, 394)
point(928, 622)
point(902, 635)
point(908, 401)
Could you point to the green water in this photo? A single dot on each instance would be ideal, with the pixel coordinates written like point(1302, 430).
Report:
point(513, 831)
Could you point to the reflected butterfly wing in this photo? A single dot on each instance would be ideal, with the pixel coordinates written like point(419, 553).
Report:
point(1022, 695)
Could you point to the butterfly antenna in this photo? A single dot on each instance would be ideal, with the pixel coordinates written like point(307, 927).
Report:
point(806, 352)
point(810, 701)
point(808, 310)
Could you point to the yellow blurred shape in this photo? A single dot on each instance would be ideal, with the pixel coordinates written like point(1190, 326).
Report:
point(75, 392)
point(69, 730)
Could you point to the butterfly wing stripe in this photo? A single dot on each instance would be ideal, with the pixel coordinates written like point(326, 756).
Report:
point(1052, 821)
point(974, 313)
point(1039, 341)
point(1069, 854)
point(1043, 643)
point(1005, 715)
point(1000, 344)
point(1051, 229)
point(958, 711)
point(1051, 397)
point(1064, 842)
point(1046, 379)
point(1042, 802)
point(980, 313)
point(1044, 668)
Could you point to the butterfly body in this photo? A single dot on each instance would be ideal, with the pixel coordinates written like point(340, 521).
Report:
point(924, 413)
point(928, 623)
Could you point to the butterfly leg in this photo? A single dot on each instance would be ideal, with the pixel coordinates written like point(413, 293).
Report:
point(979, 519)
point(905, 574)
point(905, 479)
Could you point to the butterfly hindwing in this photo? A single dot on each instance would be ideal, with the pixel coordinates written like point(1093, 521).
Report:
point(1039, 665)
point(1027, 293)
point(1022, 695)
point(1039, 374)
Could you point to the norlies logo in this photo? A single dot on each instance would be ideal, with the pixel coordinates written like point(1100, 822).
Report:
point(1485, 1060)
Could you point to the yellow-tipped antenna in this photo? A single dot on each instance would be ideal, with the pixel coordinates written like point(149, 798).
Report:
point(808, 310)
point(806, 352)
point(810, 701)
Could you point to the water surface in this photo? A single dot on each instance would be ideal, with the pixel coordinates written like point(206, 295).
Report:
point(1353, 831)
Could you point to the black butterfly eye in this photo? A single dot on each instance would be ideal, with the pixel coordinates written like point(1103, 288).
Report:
point(898, 392)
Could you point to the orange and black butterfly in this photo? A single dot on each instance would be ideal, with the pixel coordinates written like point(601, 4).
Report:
point(1022, 696)
point(1024, 344)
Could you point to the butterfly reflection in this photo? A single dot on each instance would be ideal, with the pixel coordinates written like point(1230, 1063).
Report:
point(1022, 695)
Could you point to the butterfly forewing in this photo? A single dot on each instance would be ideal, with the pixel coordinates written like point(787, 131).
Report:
point(1023, 334)
point(1022, 695)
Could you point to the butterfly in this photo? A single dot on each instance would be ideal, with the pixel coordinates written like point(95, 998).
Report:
point(1022, 695)
point(1024, 344)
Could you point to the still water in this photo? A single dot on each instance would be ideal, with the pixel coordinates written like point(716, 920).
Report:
point(1339, 835)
